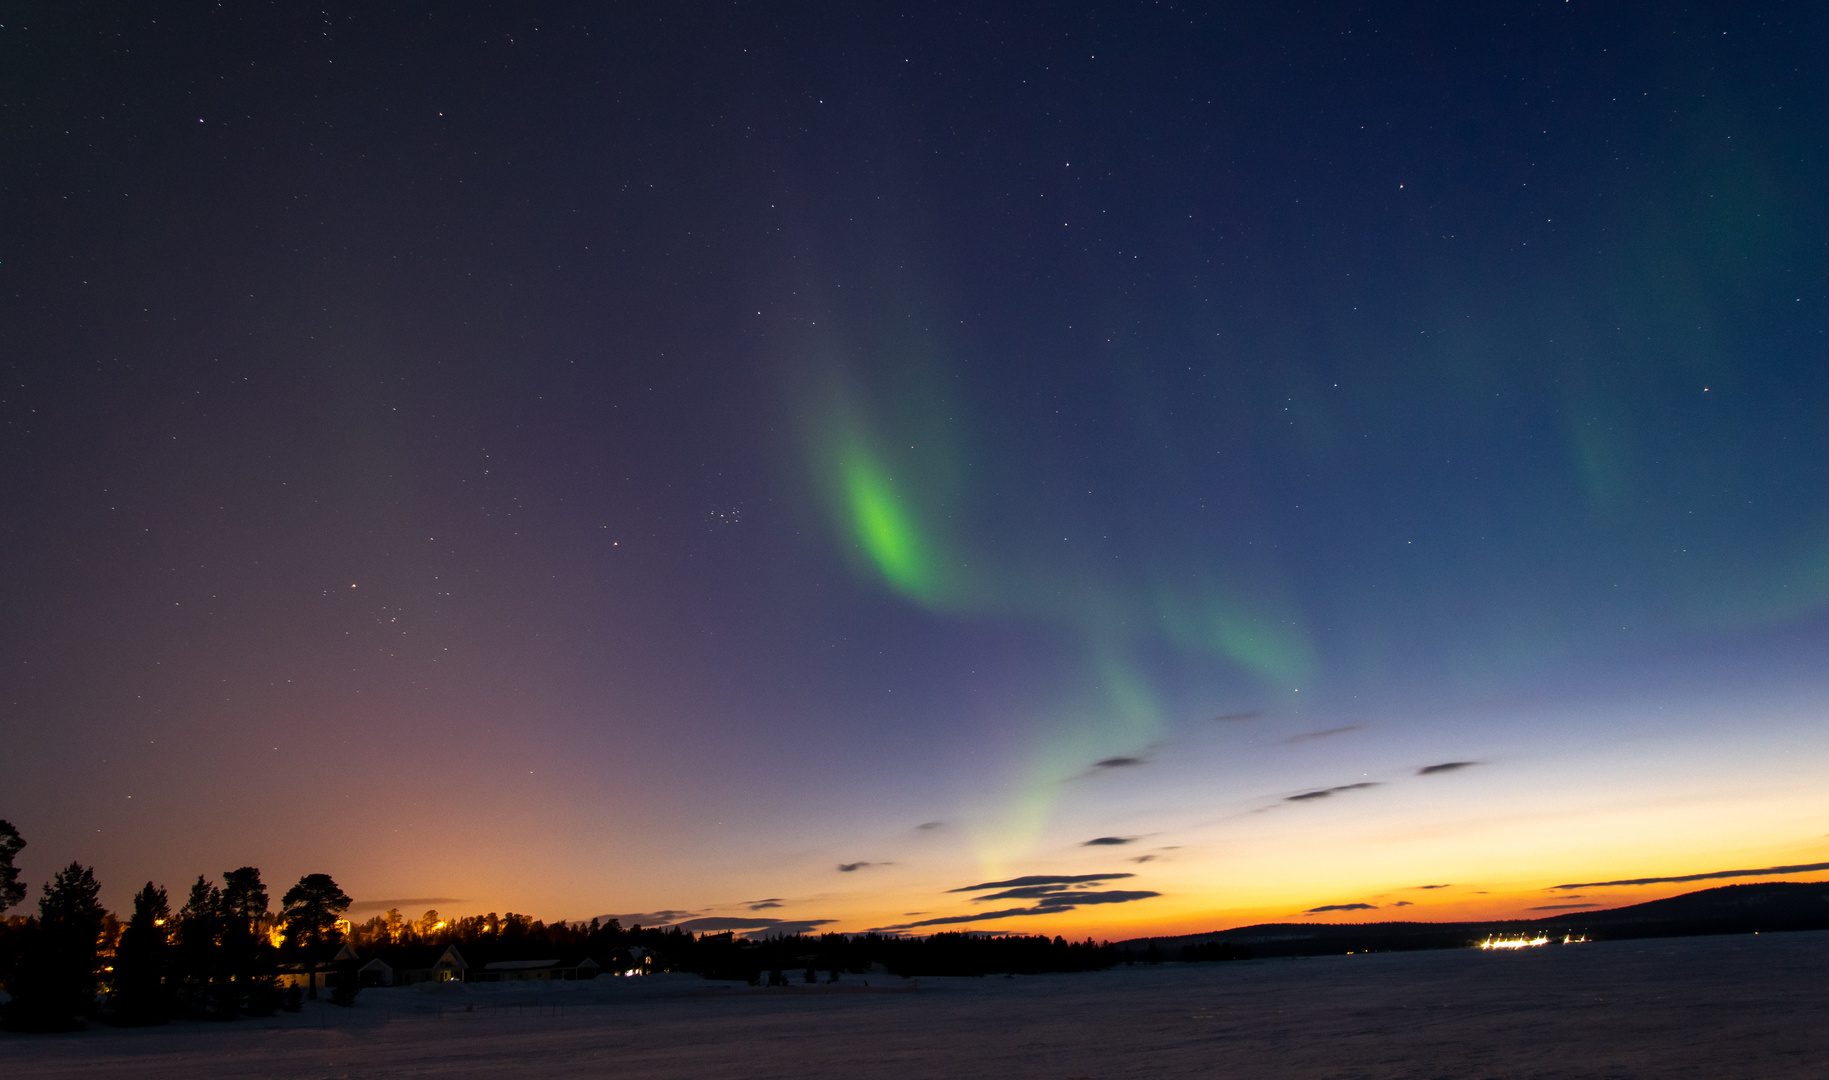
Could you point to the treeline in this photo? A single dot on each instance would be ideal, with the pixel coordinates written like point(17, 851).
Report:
point(801, 958)
point(487, 938)
point(225, 952)
point(219, 956)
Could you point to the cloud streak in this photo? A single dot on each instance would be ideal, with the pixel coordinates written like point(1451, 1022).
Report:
point(1041, 879)
point(1340, 907)
point(1446, 766)
point(1120, 763)
point(1048, 906)
point(1052, 893)
point(713, 924)
point(1323, 793)
point(1766, 871)
point(1108, 841)
point(1310, 736)
point(649, 918)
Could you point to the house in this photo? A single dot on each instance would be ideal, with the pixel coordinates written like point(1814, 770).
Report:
point(300, 974)
point(536, 970)
point(405, 965)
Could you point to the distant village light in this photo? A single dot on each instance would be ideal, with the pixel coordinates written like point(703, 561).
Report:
point(1514, 943)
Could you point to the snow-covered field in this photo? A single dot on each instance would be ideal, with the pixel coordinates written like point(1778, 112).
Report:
point(1749, 1006)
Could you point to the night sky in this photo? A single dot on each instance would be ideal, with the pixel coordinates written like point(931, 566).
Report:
point(1076, 469)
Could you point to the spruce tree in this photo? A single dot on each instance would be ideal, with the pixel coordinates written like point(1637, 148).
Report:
point(12, 890)
point(247, 955)
point(55, 983)
point(198, 954)
point(142, 963)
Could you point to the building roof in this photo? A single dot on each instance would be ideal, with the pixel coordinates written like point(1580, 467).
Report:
point(418, 957)
point(532, 965)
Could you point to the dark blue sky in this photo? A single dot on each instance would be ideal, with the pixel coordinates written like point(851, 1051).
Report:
point(607, 460)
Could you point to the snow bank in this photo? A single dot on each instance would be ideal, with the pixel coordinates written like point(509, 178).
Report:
point(1747, 1006)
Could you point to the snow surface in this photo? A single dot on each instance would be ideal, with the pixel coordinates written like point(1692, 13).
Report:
point(1719, 1007)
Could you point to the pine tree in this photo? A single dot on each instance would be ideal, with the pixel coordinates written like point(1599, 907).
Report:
point(312, 908)
point(142, 963)
point(56, 980)
point(12, 890)
point(246, 953)
point(198, 954)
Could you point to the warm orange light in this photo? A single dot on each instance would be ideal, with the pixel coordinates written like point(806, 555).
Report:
point(1514, 943)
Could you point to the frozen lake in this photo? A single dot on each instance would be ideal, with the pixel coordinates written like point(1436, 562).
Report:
point(1746, 1006)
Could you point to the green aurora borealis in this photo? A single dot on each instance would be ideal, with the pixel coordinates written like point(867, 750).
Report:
point(669, 462)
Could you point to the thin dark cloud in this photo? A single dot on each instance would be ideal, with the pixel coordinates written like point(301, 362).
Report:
point(1109, 841)
point(1026, 892)
point(1047, 906)
point(926, 826)
point(1325, 792)
point(1107, 896)
point(853, 867)
point(1559, 907)
point(714, 924)
point(1431, 886)
point(1768, 871)
point(764, 905)
point(1330, 732)
point(1403, 903)
point(1120, 763)
point(1446, 766)
point(1041, 879)
point(1340, 907)
point(412, 906)
point(1052, 893)
point(1057, 896)
point(1229, 717)
point(951, 920)
point(1143, 858)
point(648, 918)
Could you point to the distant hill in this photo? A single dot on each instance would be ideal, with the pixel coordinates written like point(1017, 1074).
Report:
point(1730, 909)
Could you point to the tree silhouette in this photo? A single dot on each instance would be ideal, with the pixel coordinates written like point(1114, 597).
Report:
point(141, 962)
point(12, 890)
point(244, 902)
point(312, 908)
point(199, 946)
point(55, 982)
point(247, 956)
